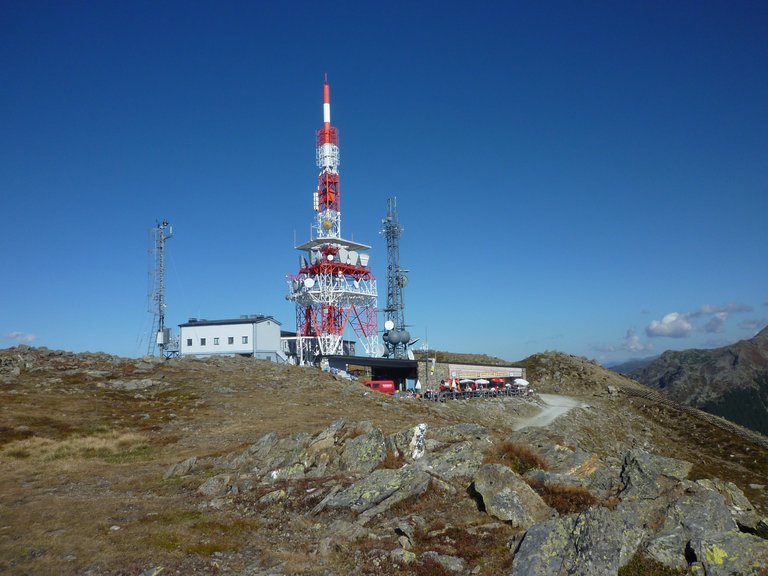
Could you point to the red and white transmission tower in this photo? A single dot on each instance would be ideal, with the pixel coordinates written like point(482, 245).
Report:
point(334, 287)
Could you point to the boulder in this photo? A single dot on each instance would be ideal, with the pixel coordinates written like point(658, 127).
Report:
point(364, 453)
point(219, 485)
point(328, 438)
point(731, 553)
point(507, 497)
point(587, 544)
point(452, 564)
point(181, 468)
point(461, 459)
point(381, 489)
point(647, 476)
point(740, 507)
point(460, 432)
point(699, 513)
point(410, 443)
point(250, 456)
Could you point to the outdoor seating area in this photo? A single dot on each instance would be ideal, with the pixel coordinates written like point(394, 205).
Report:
point(465, 389)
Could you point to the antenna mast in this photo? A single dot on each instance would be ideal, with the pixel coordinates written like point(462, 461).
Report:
point(395, 336)
point(334, 287)
point(160, 335)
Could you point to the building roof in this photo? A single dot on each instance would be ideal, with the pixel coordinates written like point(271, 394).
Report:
point(250, 319)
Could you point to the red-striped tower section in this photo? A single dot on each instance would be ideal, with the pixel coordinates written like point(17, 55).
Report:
point(334, 288)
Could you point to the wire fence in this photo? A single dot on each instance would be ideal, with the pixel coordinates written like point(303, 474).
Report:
point(722, 423)
point(483, 393)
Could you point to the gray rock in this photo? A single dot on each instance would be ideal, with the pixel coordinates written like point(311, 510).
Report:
point(291, 472)
point(731, 553)
point(381, 489)
point(450, 563)
point(251, 455)
point(460, 432)
point(328, 438)
point(219, 485)
point(586, 544)
point(508, 498)
point(410, 444)
point(699, 513)
point(647, 476)
point(740, 507)
point(364, 453)
point(461, 459)
point(273, 497)
point(402, 556)
point(130, 385)
point(180, 468)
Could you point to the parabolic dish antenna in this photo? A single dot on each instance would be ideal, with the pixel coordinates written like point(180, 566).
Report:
point(388, 325)
point(309, 282)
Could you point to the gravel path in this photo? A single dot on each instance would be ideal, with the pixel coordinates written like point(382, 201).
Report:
point(555, 406)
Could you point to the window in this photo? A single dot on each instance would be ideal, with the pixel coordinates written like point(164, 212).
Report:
point(189, 341)
point(245, 339)
point(231, 340)
point(215, 341)
point(202, 341)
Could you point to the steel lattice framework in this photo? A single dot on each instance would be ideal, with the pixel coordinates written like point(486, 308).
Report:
point(334, 288)
point(396, 337)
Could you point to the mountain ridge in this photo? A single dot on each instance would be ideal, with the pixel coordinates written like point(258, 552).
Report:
point(730, 381)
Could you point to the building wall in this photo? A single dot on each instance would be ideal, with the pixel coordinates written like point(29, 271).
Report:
point(259, 339)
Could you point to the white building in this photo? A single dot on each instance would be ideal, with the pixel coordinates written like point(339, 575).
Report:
point(257, 336)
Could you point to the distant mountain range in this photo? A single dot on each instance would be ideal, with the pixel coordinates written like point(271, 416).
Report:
point(731, 381)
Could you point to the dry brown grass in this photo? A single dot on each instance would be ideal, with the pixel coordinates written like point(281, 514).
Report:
point(392, 460)
point(518, 457)
point(113, 447)
point(565, 499)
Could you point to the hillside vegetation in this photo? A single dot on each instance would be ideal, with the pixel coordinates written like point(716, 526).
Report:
point(731, 381)
point(238, 466)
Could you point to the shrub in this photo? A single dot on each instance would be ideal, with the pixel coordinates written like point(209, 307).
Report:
point(642, 565)
point(563, 498)
point(518, 457)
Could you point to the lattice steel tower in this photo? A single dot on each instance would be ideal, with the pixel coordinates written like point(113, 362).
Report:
point(160, 336)
point(334, 287)
point(395, 336)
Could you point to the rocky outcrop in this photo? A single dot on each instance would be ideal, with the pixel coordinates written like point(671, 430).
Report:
point(656, 510)
point(507, 497)
point(676, 522)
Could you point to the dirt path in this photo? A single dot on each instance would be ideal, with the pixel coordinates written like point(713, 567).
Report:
point(554, 406)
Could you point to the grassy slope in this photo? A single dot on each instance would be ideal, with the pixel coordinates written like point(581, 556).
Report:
point(82, 484)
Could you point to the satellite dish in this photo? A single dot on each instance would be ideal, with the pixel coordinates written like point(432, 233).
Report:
point(388, 325)
point(309, 282)
point(394, 337)
point(405, 336)
point(410, 355)
point(330, 257)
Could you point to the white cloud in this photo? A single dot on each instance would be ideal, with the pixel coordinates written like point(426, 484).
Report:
point(715, 324)
point(673, 325)
point(753, 325)
point(679, 325)
point(631, 343)
point(22, 337)
point(707, 309)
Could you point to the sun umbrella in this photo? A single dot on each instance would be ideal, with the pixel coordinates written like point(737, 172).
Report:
point(466, 381)
point(521, 382)
point(482, 381)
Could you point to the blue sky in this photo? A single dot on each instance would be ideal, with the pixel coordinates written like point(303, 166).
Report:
point(590, 177)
